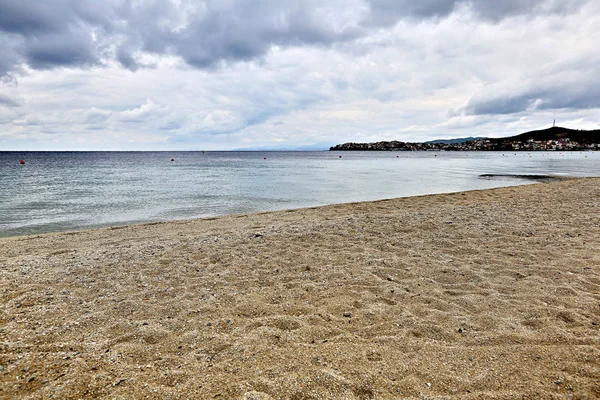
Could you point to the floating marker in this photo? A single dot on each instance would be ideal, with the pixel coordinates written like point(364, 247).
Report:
point(264, 158)
point(21, 162)
point(340, 156)
point(172, 159)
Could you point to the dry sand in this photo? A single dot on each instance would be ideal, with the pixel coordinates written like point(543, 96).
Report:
point(485, 294)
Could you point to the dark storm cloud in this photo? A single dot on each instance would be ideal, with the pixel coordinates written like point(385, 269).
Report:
point(510, 104)
point(581, 95)
point(8, 55)
point(32, 17)
point(574, 84)
point(54, 50)
point(52, 33)
point(244, 30)
point(126, 60)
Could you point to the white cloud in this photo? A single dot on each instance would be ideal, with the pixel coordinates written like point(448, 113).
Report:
point(144, 112)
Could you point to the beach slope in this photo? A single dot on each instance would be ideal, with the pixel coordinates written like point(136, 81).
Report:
point(491, 294)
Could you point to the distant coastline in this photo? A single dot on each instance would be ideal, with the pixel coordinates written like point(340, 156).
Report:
point(551, 139)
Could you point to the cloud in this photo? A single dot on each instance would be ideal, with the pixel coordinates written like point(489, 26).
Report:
point(30, 17)
point(389, 12)
point(497, 10)
point(96, 116)
point(49, 34)
point(60, 50)
point(126, 60)
point(146, 111)
point(206, 34)
point(186, 74)
point(574, 85)
point(26, 122)
point(245, 30)
point(170, 124)
point(8, 101)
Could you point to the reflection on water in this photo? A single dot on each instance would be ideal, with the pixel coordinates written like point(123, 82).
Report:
point(72, 190)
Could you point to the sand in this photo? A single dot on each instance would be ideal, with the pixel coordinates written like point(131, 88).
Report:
point(491, 294)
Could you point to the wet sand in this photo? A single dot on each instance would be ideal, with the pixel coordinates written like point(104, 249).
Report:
point(491, 294)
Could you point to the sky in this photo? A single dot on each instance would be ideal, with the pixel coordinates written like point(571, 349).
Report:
point(230, 74)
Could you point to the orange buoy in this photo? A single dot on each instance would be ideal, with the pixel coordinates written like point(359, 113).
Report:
point(21, 162)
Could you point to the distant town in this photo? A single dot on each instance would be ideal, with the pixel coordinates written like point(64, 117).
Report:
point(552, 139)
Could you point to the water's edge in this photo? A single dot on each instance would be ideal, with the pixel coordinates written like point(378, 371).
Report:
point(523, 181)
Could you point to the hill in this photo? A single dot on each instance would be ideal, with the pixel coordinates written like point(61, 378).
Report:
point(555, 133)
point(453, 141)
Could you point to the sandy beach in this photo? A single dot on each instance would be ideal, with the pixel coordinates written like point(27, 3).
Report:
point(491, 294)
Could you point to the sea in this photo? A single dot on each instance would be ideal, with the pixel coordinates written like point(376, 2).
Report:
point(64, 191)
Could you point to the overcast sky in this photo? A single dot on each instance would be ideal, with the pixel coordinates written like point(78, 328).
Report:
point(225, 74)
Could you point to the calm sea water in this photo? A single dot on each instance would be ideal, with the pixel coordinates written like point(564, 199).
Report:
point(56, 191)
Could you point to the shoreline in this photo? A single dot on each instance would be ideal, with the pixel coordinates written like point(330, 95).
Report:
point(519, 177)
point(490, 293)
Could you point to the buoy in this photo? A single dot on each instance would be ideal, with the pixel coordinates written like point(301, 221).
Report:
point(172, 159)
point(264, 158)
point(21, 162)
point(340, 156)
